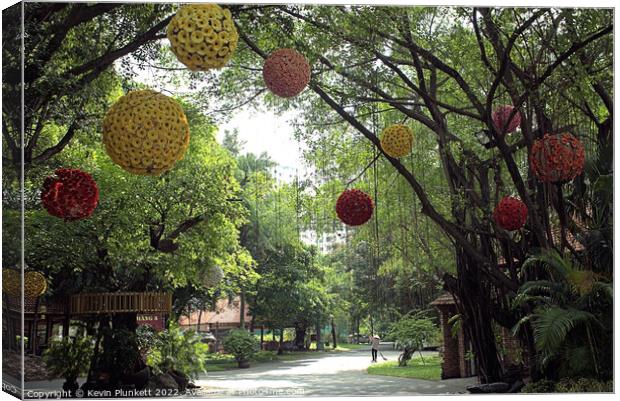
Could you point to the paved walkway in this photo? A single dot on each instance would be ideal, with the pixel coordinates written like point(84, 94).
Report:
point(322, 374)
point(342, 374)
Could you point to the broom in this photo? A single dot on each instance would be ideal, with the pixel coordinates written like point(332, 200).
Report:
point(381, 353)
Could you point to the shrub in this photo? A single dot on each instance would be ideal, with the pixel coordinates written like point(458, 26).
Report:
point(262, 356)
point(584, 385)
point(241, 344)
point(541, 386)
point(70, 357)
point(175, 350)
point(412, 333)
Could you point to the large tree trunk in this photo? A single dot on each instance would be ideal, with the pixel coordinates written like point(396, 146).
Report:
point(334, 339)
point(471, 293)
point(242, 311)
point(319, 344)
point(280, 349)
point(300, 336)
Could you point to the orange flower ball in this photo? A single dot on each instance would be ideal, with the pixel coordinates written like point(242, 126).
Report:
point(557, 158)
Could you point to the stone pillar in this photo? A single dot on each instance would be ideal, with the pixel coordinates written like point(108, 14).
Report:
point(464, 368)
point(450, 367)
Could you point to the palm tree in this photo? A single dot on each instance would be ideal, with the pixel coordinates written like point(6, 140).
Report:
point(570, 313)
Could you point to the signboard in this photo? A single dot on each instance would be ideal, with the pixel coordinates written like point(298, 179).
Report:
point(156, 321)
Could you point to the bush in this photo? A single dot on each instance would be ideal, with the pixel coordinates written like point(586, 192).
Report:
point(241, 344)
point(541, 386)
point(175, 350)
point(413, 333)
point(70, 357)
point(584, 385)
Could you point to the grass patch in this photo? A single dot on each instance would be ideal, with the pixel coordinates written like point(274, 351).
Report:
point(415, 369)
point(219, 367)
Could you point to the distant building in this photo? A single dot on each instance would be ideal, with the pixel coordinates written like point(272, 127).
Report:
point(225, 317)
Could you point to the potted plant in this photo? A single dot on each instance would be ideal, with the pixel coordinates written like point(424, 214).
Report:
point(69, 358)
point(242, 344)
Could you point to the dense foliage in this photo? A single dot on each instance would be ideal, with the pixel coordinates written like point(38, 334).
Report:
point(173, 350)
point(241, 343)
point(69, 357)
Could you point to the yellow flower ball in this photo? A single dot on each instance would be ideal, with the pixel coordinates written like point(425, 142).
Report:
point(397, 140)
point(11, 281)
point(145, 132)
point(35, 284)
point(199, 32)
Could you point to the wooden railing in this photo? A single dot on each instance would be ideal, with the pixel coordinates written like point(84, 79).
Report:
point(121, 302)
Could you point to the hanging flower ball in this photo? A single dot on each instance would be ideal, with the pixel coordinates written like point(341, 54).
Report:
point(557, 158)
point(203, 36)
point(500, 119)
point(397, 140)
point(71, 194)
point(286, 72)
point(35, 283)
point(11, 281)
point(212, 276)
point(510, 213)
point(145, 132)
point(354, 207)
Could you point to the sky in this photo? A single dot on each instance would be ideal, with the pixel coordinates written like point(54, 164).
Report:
point(264, 131)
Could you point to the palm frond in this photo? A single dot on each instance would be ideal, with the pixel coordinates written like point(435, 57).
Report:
point(552, 261)
point(552, 326)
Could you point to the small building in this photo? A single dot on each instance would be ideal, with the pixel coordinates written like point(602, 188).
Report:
point(457, 360)
point(225, 317)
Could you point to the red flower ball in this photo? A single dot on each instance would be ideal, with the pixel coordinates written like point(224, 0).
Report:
point(71, 194)
point(286, 72)
point(557, 158)
point(500, 119)
point(354, 207)
point(510, 213)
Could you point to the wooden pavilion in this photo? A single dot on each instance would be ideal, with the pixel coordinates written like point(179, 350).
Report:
point(43, 316)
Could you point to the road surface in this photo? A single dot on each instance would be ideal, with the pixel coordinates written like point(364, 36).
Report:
point(323, 374)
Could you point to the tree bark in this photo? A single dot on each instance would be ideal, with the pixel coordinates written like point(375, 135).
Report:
point(334, 338)
point(319, 344)
point(300, 336)
point(242, 311)
point(280, 350)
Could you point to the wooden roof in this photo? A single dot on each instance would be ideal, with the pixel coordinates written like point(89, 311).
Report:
point(444, 299)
